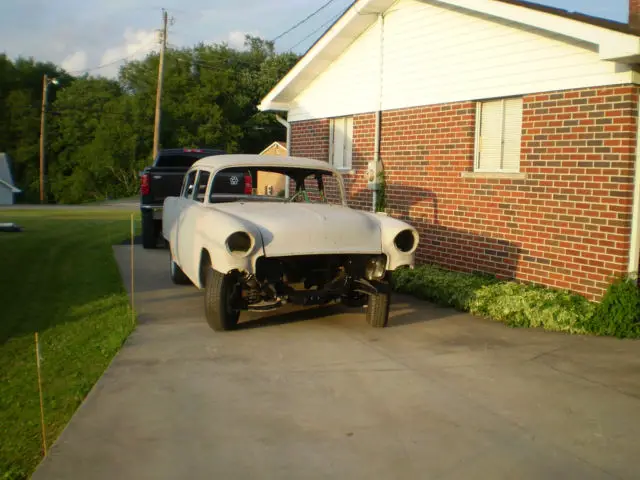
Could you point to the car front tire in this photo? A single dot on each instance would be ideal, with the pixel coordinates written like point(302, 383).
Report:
point(218, 292)
point(378, 308)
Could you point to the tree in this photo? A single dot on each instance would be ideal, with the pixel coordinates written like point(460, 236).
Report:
point(20, 103)
point(101, 131)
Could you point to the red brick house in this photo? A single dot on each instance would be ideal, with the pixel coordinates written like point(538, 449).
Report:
point(507, 131)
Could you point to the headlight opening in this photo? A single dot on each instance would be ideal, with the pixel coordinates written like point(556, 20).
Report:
point(405, 241)
point(239, 243)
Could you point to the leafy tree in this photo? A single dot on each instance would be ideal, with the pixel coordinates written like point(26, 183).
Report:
point(100, 131)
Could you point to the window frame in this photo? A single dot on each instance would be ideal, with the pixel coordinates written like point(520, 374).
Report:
point(332, 148)
point(185, 186)
point(477, 168)
point(196, 183)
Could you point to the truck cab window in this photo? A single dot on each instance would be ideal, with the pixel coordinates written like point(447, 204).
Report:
point(187, 191)
point(201, 185)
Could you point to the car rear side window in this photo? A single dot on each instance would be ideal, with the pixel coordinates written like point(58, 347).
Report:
point(187, 191)
point(201, 185)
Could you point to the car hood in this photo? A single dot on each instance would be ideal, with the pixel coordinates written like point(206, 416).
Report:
point(304, 228)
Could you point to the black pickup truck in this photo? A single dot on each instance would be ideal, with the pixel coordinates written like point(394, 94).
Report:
point(164, 179)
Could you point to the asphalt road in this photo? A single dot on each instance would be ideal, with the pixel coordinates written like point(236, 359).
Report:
point(318, 394)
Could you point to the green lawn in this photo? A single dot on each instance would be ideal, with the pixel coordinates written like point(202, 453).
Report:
point(58, 278)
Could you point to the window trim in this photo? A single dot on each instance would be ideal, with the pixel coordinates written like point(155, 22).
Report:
point(478, 139)
point(186, 183)
point(197, 181)
point(345, 168)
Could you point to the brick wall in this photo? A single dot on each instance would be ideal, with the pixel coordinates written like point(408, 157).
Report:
point(566, 225)
point(311, 139)
point(634, 13)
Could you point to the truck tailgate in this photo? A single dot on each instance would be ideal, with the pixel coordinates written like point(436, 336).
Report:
point(164, 183)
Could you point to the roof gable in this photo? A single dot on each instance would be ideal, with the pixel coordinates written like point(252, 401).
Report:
point(277, 145)
point(6, 179)
point(612, 40)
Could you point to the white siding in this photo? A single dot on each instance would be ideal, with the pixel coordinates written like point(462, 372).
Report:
point(349, 85)
point(6, 196)
point(435, 55)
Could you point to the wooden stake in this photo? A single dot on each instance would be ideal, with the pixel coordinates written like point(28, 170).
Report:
point(44, 433)
point(133, 315)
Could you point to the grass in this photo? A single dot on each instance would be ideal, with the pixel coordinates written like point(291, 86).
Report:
point(59, 278)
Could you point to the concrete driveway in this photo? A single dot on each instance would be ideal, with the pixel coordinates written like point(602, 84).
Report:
point(318, 394)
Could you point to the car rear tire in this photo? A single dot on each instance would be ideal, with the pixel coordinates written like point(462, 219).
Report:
point(378, 309)
point(177, 275)
point(218, 293)
point(149, 233)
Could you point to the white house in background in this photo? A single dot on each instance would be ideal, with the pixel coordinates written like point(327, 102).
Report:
point(7, 188)
point(272, 183)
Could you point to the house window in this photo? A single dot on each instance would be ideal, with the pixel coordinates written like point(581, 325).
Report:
point(498, 135)
point(341, 142)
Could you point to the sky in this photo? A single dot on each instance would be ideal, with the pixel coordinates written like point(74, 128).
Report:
point(84, 34)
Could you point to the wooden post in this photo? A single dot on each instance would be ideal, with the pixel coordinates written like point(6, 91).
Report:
point(45, 84)
point(163, 47)
point(44, 433)
point(133, 315)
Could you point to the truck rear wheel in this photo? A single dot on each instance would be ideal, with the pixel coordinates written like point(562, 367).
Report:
point(218, 292)
point(378, 309)
point(149, 232)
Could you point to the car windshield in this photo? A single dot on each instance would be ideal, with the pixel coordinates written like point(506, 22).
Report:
point(277, 184)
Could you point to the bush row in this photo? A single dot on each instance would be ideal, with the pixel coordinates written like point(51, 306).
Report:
point(522, 305)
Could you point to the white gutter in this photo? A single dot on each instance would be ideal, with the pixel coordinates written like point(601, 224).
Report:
point(634, 248)
point(287, 180)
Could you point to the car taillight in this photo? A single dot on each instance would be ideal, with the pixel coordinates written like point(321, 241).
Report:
point(144, 185)
point(248, 185)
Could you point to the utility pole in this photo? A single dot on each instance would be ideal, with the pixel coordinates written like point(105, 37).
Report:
point(163, 47)
point(45, 89)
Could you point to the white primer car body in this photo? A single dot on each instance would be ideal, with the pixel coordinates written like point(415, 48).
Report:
point(237, 236)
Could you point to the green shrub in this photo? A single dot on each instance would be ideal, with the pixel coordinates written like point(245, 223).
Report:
point(520, 305)
point(529, 306)
point(618, 314)
point(439, 286)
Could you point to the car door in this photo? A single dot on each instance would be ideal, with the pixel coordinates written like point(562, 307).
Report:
point(182, 233)
point(189, 237)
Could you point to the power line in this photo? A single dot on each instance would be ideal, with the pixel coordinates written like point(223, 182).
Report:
point(304, 20)
point(324, 25)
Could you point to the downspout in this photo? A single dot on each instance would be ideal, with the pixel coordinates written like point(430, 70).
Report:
point(634, 248)
point(376, 146)
point(282, 121)
point(376, 156)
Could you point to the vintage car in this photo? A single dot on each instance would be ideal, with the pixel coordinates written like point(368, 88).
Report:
point(257, 251)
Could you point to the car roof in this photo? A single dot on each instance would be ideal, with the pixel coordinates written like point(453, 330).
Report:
point(253, 160)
